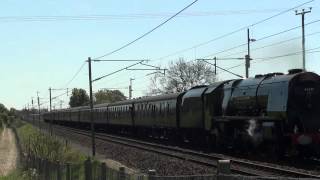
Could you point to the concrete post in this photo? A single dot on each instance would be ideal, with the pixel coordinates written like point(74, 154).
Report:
point(122, 175)
point(59, 173)
point(224, 167)
point(103, 171)
point(88, 169)
point(151, 174)
point(68, 171)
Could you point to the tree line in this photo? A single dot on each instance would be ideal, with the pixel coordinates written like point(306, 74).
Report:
point(180, 76)
point(79, 97)
point(6, 115)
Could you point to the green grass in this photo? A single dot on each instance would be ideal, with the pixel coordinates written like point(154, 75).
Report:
point(13, 175)
point(19, 174)
point(45, 146)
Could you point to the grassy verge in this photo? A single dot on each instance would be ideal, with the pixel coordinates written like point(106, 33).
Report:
point(44, 146)
point(13, 175)
point(41, 145)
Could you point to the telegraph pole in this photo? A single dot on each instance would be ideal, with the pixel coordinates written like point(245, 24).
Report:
point(130, 88)
point(215, 65)
point(50, 110)
point(248, 54)
point(38, 108)
point(32, 108)
point(50, 99)
point(91, 110)
point(247, 57)
point(302, 13)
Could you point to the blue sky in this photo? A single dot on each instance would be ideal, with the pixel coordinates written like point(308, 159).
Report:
point(38, 54)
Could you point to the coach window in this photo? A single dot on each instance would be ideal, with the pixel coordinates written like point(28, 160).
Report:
point(143, 110)
point(154, 110)
point(117, 112)
point(147, 109)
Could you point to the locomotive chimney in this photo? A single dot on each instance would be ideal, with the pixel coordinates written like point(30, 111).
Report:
point(294, 71)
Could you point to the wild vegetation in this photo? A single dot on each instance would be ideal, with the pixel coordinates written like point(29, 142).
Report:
point(36, 143)
point(44, 146)
point(6, 116)
point(181, 76)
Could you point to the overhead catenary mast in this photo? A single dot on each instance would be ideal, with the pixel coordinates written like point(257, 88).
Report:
point(302, 13)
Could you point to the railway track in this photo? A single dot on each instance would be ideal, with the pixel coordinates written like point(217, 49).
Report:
point(210, 160)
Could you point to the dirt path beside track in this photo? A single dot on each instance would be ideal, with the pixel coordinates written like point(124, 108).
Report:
point(8, 152)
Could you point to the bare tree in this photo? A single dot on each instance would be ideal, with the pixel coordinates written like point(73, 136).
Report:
point(181, 76)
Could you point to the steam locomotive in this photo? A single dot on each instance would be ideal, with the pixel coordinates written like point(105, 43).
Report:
point(273, 112)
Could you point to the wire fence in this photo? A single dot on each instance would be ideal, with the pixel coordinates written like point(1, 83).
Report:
point(42, 169)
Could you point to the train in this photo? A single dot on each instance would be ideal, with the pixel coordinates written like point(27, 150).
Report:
point(274, 113)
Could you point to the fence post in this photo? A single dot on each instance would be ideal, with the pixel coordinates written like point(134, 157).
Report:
point(151, 174)
point(32, 164)
point(59, 174)
point(36, 160)
point(223, 170)
point(46, 169)
point(68, 171)
point(88, 169)
point(103, 171)
point(122, 175)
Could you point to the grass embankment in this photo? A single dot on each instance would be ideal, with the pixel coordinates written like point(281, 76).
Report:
point(44, 146)
point(41, 145)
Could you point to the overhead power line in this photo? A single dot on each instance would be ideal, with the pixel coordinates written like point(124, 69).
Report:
point(75, 75)
point(272, 44)
point(233, 32)
point(265, 37)
point(103, 17)
point(283, 55)
point(257, 60)
point(59, 95)
point(147, 33)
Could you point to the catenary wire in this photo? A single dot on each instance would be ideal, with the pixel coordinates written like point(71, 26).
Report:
point(147, 33)
point(272, 44)
point(75, 75)
point(97, 17)
point(257, 60)
point(232, 32)
point(263, 38)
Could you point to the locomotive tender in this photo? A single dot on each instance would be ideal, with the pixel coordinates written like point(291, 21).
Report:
point(273, 111)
